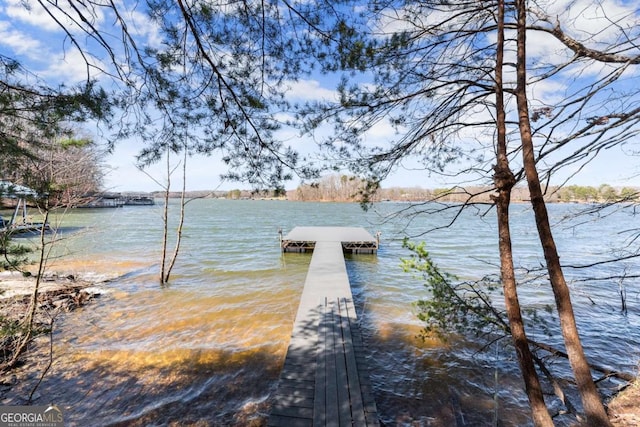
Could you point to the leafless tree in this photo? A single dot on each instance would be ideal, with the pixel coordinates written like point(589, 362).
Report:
point(432, 72)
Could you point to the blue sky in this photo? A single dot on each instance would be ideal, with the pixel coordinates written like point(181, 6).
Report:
point(614, 168)
point(33, 38)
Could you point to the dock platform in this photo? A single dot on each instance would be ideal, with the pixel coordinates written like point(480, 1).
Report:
point(353, 239)
point(325, 379)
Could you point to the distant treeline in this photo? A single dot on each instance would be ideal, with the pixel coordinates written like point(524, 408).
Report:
point(567, 194)
point(235, 194)
point(343, 188)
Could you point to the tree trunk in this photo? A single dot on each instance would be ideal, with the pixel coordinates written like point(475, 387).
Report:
point(594, 409)
point(504, 181)
point(33, 304)
point(183, 203)
point(165, 223)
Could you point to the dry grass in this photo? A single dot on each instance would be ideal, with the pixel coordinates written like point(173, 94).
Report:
point(624, 409)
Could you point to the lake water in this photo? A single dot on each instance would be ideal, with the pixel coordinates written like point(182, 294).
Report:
point(207, 349)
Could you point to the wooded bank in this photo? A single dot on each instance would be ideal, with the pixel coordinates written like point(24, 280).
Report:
point(351, 193)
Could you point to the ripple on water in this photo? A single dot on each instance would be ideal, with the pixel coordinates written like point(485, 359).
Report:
point(208, 347)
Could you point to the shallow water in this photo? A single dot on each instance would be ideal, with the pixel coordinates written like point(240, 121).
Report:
point(208, 348)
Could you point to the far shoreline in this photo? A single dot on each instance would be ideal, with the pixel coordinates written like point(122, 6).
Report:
point(352, 192)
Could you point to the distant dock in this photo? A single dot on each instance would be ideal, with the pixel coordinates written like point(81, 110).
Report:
point(116, 200)
point(325, 379)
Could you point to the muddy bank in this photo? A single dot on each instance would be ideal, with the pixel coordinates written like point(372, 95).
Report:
point(56, 295)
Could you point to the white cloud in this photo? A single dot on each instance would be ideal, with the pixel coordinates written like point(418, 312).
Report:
point(140, 26)
point(598, 22)
point(32, 13)
point(545, 47)
point(66, 66)
point(605, 25)
point(309, 90)
point(19, 42)
point(381, 133)
point(547, 92)
point(32, 36)
point(71, 67)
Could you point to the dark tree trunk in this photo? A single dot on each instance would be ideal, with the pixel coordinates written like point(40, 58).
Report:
point(594, 409)
point(504, 181)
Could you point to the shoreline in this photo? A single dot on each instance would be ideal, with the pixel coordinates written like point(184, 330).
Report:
point(64, 294)
point(14, 284)
point(624, 408)
point(56, 295)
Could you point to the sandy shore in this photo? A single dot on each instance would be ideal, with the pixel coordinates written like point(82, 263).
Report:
point(55, 294)
point(14, 284)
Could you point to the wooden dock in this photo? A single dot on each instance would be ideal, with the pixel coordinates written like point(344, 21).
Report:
point(353, 239)
point(325, 380)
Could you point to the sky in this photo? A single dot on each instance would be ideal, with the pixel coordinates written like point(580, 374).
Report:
point(33, 38)
point(614, 168)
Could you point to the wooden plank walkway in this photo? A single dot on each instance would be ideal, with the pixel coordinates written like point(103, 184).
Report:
point(325, 381)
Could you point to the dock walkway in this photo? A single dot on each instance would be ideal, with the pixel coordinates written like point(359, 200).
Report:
point(325, 381)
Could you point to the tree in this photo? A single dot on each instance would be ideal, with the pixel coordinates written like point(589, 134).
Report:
point(429, 75)
point(607, 193)
point(428, 69)
point(38, 134)
point(57, 188)
point(234, 194)
point(215, 83)
point(35, 116)
point(37, 125)
point(335, 188)
point(231, 63)
point(74, 165)
point(628, 194)
point(504, 180)
point(437, 95)
point(596, 415)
